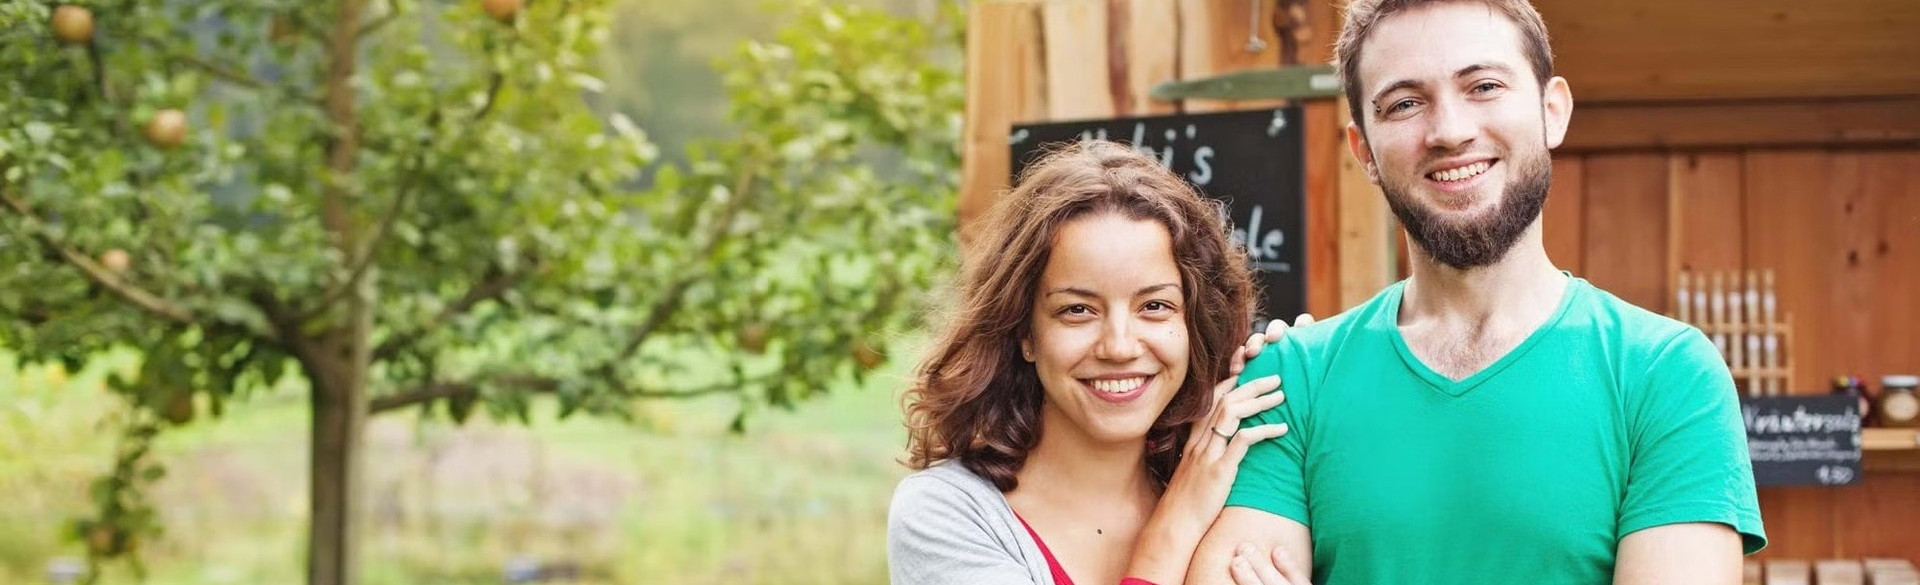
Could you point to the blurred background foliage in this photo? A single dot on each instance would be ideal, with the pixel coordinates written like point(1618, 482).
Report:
point(182, 438)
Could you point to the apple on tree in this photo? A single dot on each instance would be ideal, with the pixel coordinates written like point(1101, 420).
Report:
point(501, 10)
point(167, 128)
point(72, 25)
point(116, 260)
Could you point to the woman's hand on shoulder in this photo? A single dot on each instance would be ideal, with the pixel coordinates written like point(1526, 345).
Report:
point(1216, 444)
point(1276, 329)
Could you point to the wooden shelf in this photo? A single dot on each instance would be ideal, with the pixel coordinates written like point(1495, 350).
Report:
point(1890, 450)
point(1889, 439)
point(1890, 461)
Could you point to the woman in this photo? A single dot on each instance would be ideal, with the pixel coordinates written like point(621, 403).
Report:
point(1066, 425)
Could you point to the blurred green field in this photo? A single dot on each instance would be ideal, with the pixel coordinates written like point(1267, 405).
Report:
point(800, 499)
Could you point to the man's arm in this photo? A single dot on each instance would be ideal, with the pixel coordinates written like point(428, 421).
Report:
point(1264, 530)
point(1703, 553)
point(1690, 508)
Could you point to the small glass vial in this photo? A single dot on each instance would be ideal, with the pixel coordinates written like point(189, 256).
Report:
point(1899, 407)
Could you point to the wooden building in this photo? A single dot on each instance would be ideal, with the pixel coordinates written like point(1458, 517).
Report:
point(1707, 135)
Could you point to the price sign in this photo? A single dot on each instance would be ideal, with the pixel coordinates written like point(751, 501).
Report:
point(1803, 440)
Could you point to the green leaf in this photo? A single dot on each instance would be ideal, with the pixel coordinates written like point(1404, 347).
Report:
point(588, 83)
point(39, 132)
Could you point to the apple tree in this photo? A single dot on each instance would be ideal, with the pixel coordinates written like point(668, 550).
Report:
point(417, 205)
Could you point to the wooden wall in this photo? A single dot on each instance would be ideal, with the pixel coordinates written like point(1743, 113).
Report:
point(1841, 228)
point(1734, 49)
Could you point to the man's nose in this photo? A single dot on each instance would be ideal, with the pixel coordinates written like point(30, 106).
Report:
point(1451, 126)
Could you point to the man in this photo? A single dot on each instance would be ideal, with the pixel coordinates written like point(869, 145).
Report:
point(1491, 419)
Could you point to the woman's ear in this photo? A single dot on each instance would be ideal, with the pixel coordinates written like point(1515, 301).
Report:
point(1026, 349)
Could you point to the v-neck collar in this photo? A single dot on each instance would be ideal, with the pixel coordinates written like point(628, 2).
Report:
point(1391, 322)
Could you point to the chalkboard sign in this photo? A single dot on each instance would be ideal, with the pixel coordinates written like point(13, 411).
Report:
point(1803, 440)
point(1252, 160)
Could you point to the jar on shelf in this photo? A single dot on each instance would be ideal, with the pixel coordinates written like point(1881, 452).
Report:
point(1899, 407)
point(1857, 388)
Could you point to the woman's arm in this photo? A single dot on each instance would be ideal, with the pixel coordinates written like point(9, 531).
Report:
point(1199, 486)
point(940, 534)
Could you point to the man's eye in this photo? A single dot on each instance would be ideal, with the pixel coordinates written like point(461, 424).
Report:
point(1486, 86)
point(1401, 106)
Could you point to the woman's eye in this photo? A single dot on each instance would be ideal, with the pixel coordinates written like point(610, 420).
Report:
point(1076, 310)
point(1156, 306)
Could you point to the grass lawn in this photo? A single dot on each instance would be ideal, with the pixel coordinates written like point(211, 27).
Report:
point(801, 498)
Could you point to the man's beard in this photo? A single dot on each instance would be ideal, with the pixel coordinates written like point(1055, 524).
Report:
point(1481, 241)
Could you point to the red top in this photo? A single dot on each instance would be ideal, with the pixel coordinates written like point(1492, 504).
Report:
point(1053, 565)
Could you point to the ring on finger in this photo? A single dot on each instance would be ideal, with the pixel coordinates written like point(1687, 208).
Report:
point(1223, 435)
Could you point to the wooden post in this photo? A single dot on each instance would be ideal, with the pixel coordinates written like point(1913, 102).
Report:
point(1366, 227)
point(1079, 71)
point(1149, 51)
point(1006, 83)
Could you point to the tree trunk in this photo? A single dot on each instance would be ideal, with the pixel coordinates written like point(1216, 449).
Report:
point(337, 360)
point(337, 367)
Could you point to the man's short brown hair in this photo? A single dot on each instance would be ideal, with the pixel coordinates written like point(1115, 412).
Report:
point(1362, 15)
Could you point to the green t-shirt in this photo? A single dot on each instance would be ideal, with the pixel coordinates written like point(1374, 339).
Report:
point(1607, 420)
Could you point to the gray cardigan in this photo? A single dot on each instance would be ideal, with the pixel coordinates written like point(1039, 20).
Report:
point(948, 526)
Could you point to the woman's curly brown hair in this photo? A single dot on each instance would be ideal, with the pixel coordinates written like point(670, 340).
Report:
point(975, 400)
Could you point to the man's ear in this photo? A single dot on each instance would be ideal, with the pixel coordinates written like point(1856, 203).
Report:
point(1556, 104)
point(1357, 144)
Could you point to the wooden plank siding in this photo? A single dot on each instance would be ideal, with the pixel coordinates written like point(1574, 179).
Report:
point(1006, 85)
point(1625, 249)
point(1562, 223)
point(1644, 50)
point(1704, 197)
point(1079, 75)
